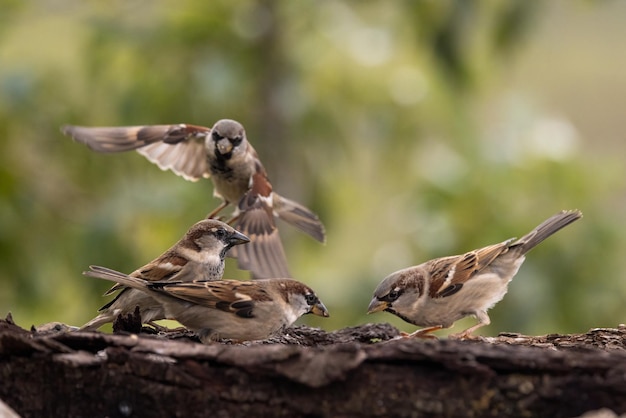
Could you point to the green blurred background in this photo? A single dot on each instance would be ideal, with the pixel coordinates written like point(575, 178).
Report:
point(415, 129)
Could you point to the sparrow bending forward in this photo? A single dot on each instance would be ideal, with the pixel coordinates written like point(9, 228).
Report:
point(226, 309)
point(199, 255)
point(441, 291)
point(224, 154)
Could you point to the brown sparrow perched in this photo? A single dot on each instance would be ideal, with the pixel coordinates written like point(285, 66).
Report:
point(439, 292)
point(224, 154)
point(226, 309)
point(199, 255)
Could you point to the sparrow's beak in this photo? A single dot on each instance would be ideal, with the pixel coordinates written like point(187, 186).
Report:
point(377, 305)
point(319, 309)
point(237, 238)
point(224, 146)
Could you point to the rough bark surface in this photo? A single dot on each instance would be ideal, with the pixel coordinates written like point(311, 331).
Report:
point(359, 371)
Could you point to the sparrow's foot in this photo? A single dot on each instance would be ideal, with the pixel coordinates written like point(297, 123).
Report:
point(216, 211)
point(465, 336)
point(232, 220)
point(162, 329)
point(422, 333)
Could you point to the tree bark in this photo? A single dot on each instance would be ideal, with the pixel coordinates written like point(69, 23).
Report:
point(360, 371)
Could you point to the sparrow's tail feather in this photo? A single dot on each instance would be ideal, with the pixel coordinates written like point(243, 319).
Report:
point(300, 217)
point(111, 275)
point(98, 321)
point(547, 228)
point(106, 315)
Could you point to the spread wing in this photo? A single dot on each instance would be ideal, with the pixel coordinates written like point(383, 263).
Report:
point(179, 148)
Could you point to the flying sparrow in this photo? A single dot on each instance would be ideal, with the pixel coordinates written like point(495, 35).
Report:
point(199, 255)
point(439, 292)
point(226, 309)
point(224, 154)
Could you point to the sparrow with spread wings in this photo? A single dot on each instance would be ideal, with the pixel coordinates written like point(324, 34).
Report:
point(224, 154)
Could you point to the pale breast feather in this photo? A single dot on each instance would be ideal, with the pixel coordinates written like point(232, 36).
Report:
point(204, 257)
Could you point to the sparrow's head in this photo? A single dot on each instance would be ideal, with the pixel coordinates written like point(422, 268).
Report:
point(300, 298)
point(398, 293)
point(214, 237)
point(227, 138)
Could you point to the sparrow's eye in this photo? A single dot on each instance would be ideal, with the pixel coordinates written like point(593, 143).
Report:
point(220, 233)
point(216, 136)
point(393, 295)
point(236, 140)
point(310, 298)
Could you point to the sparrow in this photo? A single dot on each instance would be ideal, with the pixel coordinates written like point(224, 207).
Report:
point(226, 309)
point(441, 291)
point(52, 328)
point(198, 256)
point(224, 154)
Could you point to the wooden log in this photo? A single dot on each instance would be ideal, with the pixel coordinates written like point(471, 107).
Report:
point(359, 371)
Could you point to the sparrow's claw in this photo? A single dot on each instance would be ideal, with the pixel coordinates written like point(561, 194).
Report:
point(422, 333)
point(217, 210)
point(232, 220)
point(465, 336)
point(161, 329)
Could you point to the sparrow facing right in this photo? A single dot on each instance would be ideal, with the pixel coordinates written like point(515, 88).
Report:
point(199, 255)
point(437, 293)
point(224, 154)
point(226, 309)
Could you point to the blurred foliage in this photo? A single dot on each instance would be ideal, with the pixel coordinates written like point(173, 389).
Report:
point(402, 124)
